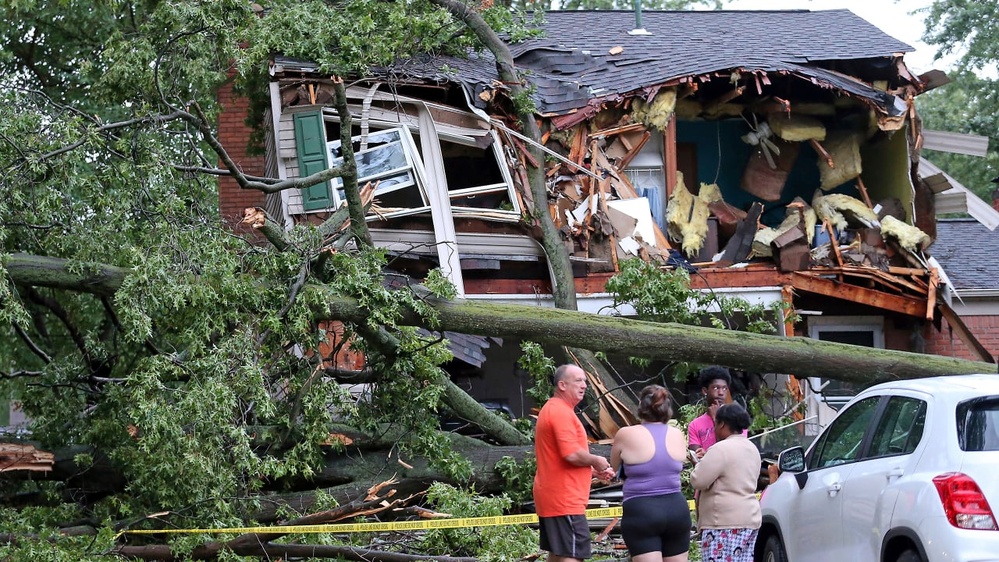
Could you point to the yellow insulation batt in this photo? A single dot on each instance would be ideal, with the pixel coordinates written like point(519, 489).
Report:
point(678, 209)
point(658, 113)
point(844, 148)
point(909, 237)
point(687, 215)
point(796, 128)
point(855, 211)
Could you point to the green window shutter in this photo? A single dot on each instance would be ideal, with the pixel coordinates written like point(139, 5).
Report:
point(310, 142)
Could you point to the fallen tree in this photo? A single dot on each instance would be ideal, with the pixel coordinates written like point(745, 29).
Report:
point(803, 357)
point(180, 370)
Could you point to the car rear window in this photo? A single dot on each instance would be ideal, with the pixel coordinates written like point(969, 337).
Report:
point(978, 424)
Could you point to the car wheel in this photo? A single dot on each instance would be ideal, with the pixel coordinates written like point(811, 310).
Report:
point(773, 550)
point(909, 555)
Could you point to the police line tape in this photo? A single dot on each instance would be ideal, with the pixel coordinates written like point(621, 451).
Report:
point(423, 524)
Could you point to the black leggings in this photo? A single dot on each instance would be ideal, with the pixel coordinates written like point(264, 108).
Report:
point(656, 524)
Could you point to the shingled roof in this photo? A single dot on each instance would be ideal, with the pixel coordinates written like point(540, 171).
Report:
point(967, 251)
point(572, 63)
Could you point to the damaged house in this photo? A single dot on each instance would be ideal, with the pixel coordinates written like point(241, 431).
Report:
point(775, 153)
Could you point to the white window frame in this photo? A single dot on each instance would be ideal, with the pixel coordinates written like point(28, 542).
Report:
point(505, 186)
point(828, 405)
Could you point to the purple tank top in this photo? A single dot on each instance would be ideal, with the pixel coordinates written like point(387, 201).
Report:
point(659, 475)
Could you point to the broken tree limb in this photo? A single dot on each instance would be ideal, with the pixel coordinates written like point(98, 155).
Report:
point(24, 456)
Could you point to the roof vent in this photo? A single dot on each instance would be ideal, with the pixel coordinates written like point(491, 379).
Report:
point(639, 30)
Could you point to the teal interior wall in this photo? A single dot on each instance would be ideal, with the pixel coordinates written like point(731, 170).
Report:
point(722, 154)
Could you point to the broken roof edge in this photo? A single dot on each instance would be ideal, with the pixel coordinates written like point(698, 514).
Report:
point(959, 199)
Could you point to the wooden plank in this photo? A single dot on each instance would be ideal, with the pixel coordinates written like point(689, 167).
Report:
point(833, 242)
point(902, 304)
point(741, 243)
point(888, 278)
point(787, 296)
point(617, 130)
point(633, 151)
point(907, 271)
point(863, 192)
point(931, 293)
point(670, 164)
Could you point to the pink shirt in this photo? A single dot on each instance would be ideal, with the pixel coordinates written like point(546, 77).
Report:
point(701, 432)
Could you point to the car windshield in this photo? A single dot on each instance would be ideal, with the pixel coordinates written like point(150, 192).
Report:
point(978, 424)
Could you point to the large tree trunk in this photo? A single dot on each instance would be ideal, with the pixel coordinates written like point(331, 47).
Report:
point(345, 476)
point(556, 253)
point(803, 357)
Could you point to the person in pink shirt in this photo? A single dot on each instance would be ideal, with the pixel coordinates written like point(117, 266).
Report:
point(715, 381)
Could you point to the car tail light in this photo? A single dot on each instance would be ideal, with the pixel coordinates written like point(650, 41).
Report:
point(963, 502)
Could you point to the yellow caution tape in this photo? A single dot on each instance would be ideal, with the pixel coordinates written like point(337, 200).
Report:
point(418, 525)
point(387, 526)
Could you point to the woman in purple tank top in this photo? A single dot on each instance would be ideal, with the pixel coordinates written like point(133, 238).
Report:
point(656, 522)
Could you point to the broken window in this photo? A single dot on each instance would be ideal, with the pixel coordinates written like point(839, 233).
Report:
point(385, 159)
point(476, 180)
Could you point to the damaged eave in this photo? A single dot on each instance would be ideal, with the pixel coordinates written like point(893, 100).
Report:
point(832, 284)
point(892, 108)
point(950, 196)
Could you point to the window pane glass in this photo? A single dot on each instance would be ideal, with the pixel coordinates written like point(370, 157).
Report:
point(469, 166)
point(978, 424)
point(380, 161)
point(900, 427)
point(843, 438)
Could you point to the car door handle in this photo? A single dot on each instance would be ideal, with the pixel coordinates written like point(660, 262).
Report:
point(833, 488)
point(895, 472)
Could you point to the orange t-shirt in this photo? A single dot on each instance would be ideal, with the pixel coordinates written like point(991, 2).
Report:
point(560, 488)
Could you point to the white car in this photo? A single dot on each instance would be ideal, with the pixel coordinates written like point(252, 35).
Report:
point(908, 471)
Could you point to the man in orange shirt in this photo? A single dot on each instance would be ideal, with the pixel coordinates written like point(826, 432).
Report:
point(565, 469)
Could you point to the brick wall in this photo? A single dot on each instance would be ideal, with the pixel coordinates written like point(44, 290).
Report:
point(945, 342)
point(234, 135)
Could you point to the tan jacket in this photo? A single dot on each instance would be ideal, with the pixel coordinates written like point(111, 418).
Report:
point(726, 478)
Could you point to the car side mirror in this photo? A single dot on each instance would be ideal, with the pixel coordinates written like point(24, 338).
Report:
point(791, 460)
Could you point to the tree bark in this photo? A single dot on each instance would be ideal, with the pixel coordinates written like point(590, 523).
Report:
point(345, 476)
point(803, 357)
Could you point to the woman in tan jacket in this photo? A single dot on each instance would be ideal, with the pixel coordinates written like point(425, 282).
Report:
point(728, 512)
